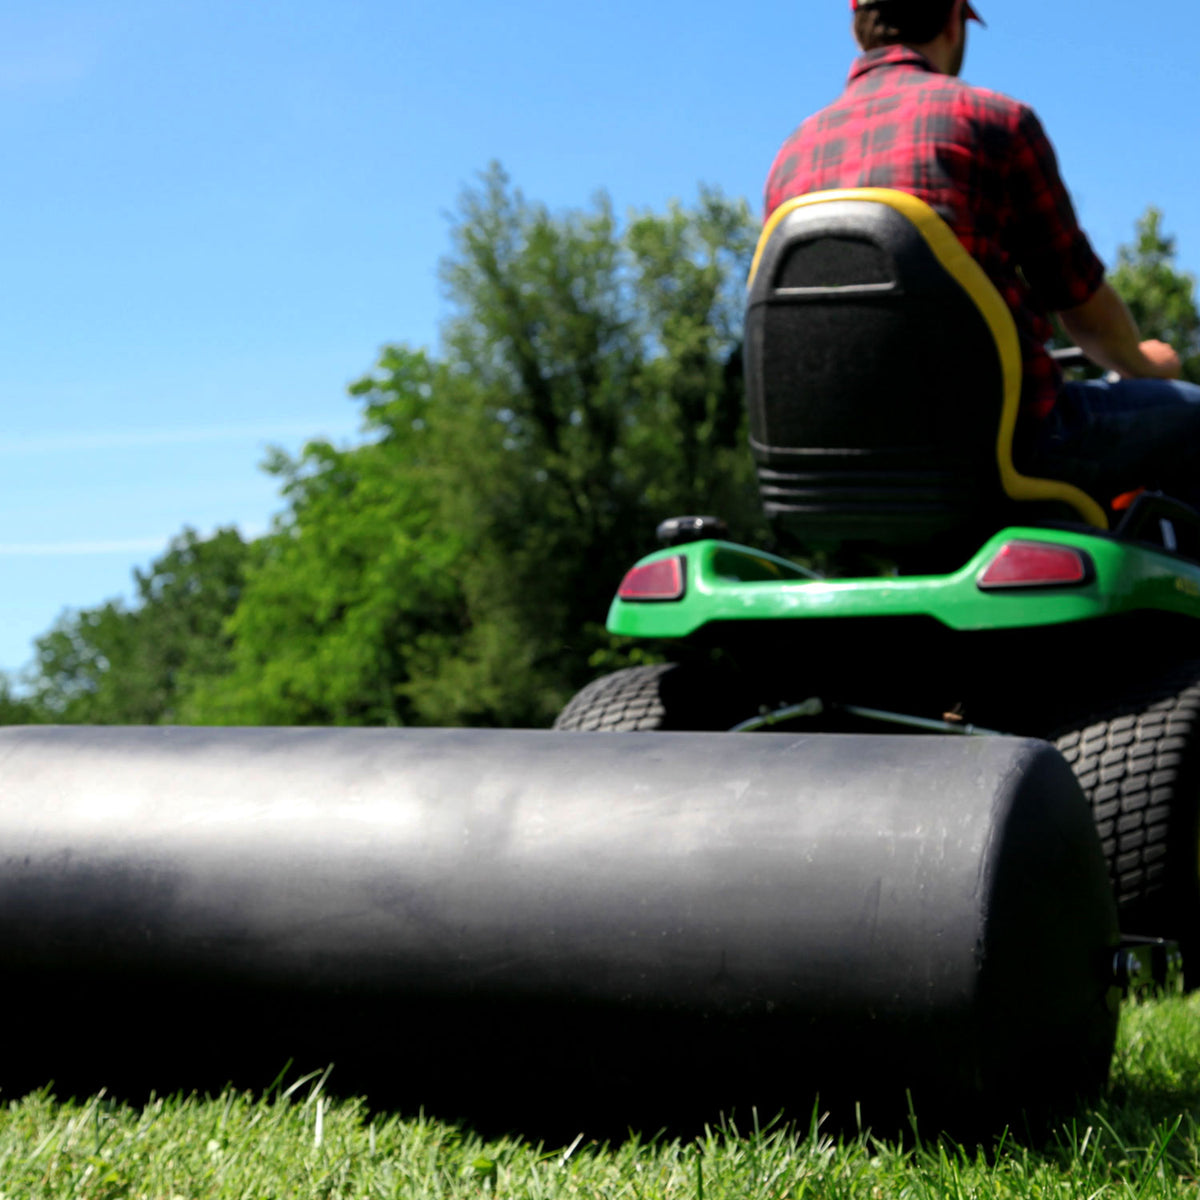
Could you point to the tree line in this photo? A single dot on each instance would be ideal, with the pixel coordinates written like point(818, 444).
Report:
point(455, 565)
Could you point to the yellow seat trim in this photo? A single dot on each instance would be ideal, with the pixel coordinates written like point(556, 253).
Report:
point(970, 276)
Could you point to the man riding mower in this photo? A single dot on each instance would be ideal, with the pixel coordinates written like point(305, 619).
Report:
point(904, 411)
point(883, 382)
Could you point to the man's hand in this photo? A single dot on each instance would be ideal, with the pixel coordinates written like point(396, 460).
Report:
point(1103, 329)
point(1162, 358)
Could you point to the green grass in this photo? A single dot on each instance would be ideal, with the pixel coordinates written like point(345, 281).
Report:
point(1142, 1141)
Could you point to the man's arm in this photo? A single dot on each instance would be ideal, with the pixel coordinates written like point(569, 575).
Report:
point(1060, 265)
point(1104, 329)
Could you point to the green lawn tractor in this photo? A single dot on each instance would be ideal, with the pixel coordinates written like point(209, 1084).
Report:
point(883, 379)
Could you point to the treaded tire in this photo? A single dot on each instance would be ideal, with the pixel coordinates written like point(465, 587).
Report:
point(665, 696)
point(1139, 765)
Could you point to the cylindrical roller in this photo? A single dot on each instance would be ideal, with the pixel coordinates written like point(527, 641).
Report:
point(510, 925)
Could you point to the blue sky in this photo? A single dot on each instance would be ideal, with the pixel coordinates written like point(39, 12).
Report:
point(215, 213)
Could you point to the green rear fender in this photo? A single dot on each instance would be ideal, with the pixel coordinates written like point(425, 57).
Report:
point(723, 581)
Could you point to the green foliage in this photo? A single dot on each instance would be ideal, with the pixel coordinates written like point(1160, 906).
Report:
point(117, 664)
point(456, 568)
point(17, 710)
point(1161, 297)
point(357, 587)
point(605, 395)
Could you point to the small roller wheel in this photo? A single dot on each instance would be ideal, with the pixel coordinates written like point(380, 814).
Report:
point(666, 696)
point(1139, 765)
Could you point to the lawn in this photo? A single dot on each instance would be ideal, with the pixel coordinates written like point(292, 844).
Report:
point(1141, 1141)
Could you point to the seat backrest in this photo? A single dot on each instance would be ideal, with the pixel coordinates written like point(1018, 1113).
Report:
point(883, 377)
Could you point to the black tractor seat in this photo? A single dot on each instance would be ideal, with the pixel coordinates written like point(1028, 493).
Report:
point(883, 379)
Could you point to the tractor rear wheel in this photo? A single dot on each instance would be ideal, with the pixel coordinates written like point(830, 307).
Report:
point(665, 696)
point(1139, 766)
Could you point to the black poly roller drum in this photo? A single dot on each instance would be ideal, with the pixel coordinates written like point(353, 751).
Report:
point(555, 931)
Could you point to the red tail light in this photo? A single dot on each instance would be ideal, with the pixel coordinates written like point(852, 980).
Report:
point(1036, 564)
point(659, 580)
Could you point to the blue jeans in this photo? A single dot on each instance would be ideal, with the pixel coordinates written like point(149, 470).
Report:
point(1109, 438)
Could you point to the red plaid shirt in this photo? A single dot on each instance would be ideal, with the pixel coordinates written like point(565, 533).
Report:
point(981, 161)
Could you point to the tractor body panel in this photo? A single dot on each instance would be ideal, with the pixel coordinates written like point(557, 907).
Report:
point(726, 582)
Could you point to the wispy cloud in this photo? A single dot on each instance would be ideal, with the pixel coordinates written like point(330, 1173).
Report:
point(98, 546)
point(133, 439)
point(55, 549)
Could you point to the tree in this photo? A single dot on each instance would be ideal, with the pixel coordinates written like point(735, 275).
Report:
point(117, 664)
point(456, 568)
point(357, 587)
point(17, 710)
point(606, 394)
point(1161, 298)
